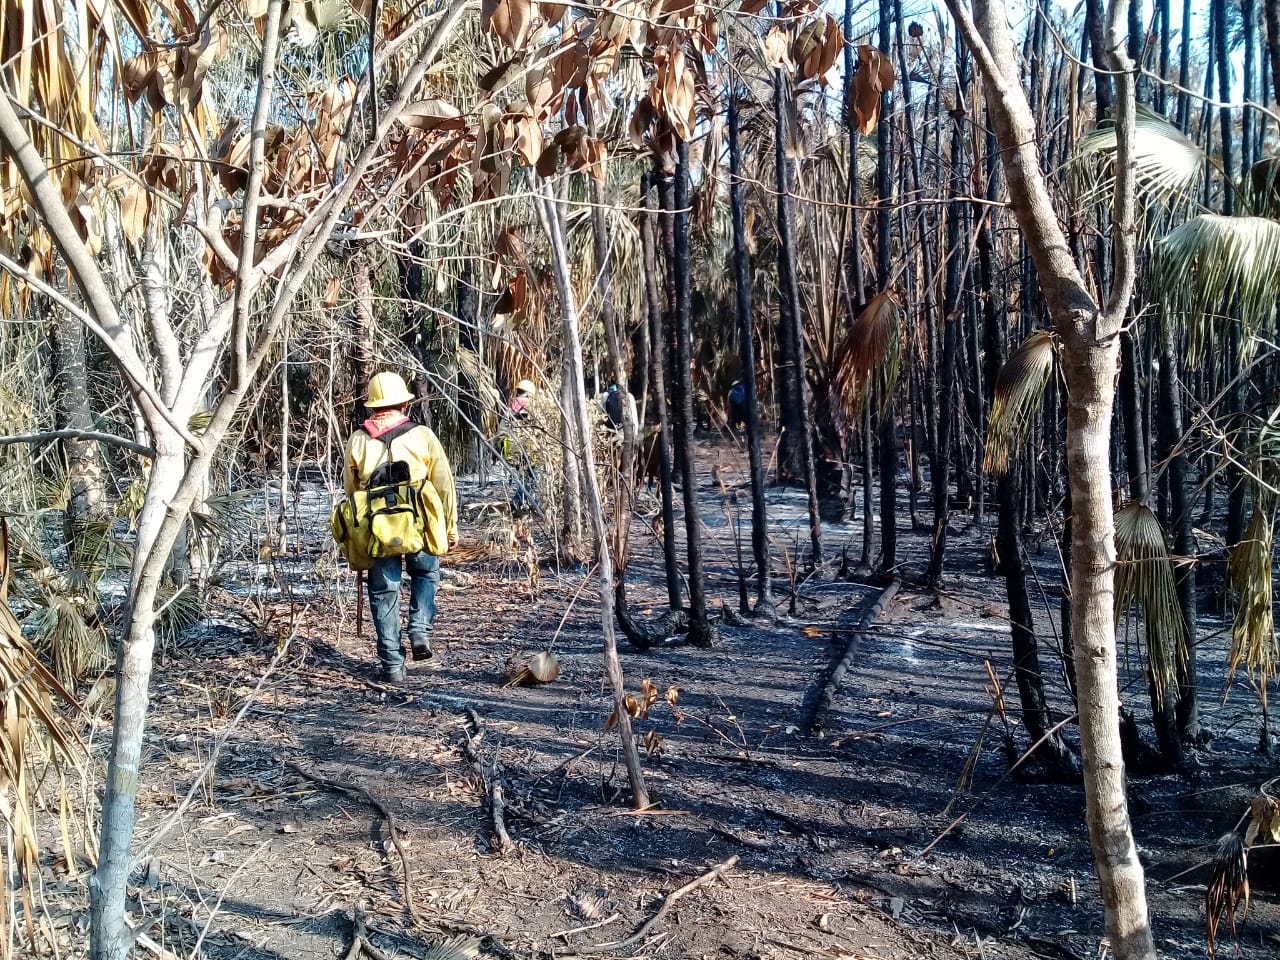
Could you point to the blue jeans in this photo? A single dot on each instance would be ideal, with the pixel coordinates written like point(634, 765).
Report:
point(384, 600)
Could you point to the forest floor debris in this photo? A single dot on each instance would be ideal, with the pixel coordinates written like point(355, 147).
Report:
point(825, 834)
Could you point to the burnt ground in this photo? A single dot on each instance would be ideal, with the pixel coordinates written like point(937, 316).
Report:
point(828, 832)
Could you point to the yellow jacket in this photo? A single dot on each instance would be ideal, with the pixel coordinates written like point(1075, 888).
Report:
point(418, 447)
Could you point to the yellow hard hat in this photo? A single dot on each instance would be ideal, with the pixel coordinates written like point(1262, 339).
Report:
point(387, 390)
point(526, 386)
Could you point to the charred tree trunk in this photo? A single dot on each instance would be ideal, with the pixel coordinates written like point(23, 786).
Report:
point(884, 253)
point(1184, 548)
point(676, 202)
point(658, 366)
point(940, 467)
point(1271, 10)
point(746, 335)
point(797, 447)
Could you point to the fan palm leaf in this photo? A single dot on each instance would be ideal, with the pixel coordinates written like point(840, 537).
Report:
point(1144, 579)
point(869, 358)
point(1210, 263)
point(1167, 165)
point(1019, 397)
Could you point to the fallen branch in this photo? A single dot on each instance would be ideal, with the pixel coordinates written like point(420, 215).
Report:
point(496, 809)
point(565, 934)
point(490, 781)
point(668, 902)
point(832, 686)
point(363, 794)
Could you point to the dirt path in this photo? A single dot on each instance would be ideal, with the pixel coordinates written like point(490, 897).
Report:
point(828, 832)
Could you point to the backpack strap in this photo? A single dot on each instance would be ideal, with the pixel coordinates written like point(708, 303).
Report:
point(381, 474)
point(399, 430)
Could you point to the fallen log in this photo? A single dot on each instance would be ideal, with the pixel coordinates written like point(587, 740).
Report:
point(822, 704)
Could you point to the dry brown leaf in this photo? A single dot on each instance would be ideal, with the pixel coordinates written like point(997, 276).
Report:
point(134, 204)
point(508, 244)
point(513, 298)
point(433, 114)
point(874, 75)
point(528, 140)
point(509, 20)
point(137, 73)
point(552, 13)
point(331, 292)
point(777, 52)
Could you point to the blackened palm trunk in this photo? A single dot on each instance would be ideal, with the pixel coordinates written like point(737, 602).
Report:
point(1053, 752)
point(799, 418)
point(1170, 430)
point(746, 336)
point(701, 632)
point(888, 422)
point(658, 364)
point(857, 280)
point(940, 467)
point(1271, 9)
point(1235, 395)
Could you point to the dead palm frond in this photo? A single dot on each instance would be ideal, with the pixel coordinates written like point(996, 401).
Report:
point(1167, 165)
point(1253, 632)
point(869, 358)
point(1144, 578)
point(1019, 396)
point(1211, 266)
point(1228, 889)
point(31, 727)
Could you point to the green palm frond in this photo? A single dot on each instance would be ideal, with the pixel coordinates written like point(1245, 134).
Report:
point(1167, 165)
point(71, 638)
point(1253, 631)
point(1019, 397)
point(1211, 263)
point(225, 516)
point(1144, 579)
point(177, 610)
point(869, 358)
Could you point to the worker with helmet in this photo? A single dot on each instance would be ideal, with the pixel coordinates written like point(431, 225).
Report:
point(387, 436)
point(518, 447)
point(519, 405)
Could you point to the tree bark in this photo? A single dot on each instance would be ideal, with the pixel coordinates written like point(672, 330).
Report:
point(940, 466)
point(1090, 346)
point(701, 631)
point(797, 449)
point(71, 377)
point(1271, 9)
point(884, 243)
point(746, 346)
point(658, 365)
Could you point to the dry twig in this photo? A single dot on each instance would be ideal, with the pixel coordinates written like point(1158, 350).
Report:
point(668, 902)
point(369, 798)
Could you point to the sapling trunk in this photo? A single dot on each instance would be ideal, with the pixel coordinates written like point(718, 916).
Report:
point(577, 410)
